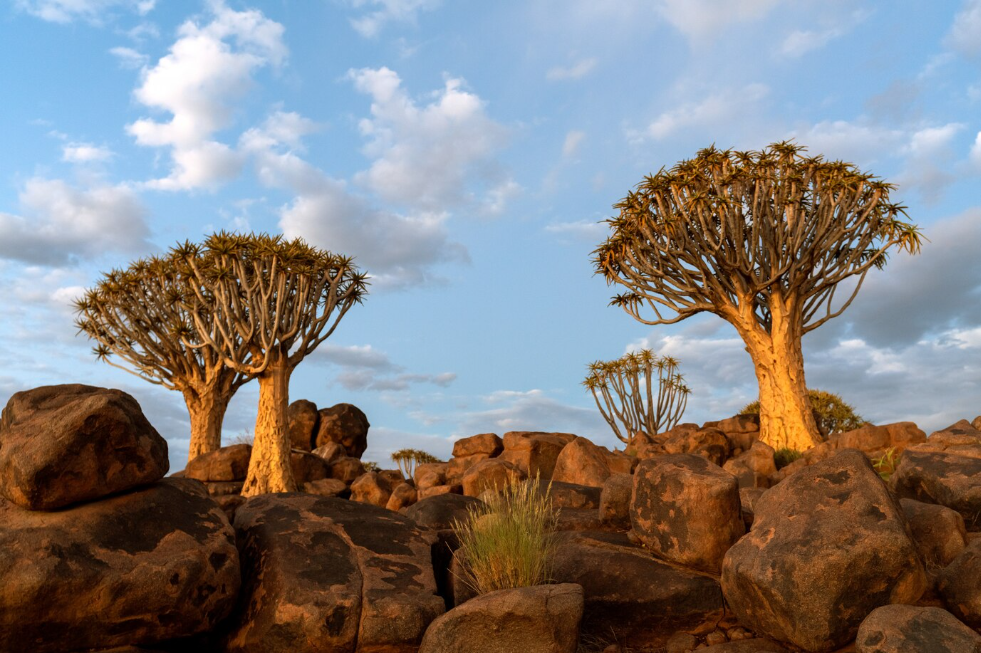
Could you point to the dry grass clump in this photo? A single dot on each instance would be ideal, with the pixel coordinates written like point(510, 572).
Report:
point(509, 541)
point(785, 456)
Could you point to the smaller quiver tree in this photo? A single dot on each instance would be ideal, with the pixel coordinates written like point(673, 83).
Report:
point(262, 304)
point(406, 459)
point(138, 316)
point(626, 387)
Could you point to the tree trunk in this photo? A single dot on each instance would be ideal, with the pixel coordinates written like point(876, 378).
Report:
point(207, 411)
point(270, 469)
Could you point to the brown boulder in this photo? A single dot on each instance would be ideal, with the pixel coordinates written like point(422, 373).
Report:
point(754, 467)
point(876, 440)
point(303, 420)
point(961, 438)
point(229, 463)
point(570, 495)
point(583, 463)
point(710, 443)
point(430, 475)
point(63, 444)
point(828, 545)
point(327, 487)
point(457, 467)
point(153, 564)
point(403, 496)
point(331, 575)
point(748, 496)
point(535, 453)
point(491, 474)
point(938, 532)
point(489, 444)
point(942, 478)
point(539, 619)
point(222, 488)
point(438, 490)
point(909, 629)
point(614, 506)
point(372, 488)
point(959, 587)
point(331, 452)
point(741, 430)
point(442, 511)
point(686, 510)
point(346, 425)
point(308, 467)
point(346, 469)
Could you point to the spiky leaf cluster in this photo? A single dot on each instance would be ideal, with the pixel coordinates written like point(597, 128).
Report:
point(406, 459)
point(630, 403)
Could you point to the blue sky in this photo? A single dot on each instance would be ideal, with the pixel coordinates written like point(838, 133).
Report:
point(466, 153)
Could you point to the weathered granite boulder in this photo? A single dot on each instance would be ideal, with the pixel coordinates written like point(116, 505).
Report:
point(325, 574)
point(686, 510)
point(442, 511)
point(308, 467)
point(372, 488)
point(346, 425)
point(304, 421)
point(876, 440)
point(63, 444)
point(946, 479)
point(828, 545)
point(938, 532)
point(346, 469)
point(961, 438)
point(489, 444)
point(457, 467)
point(535, 453)
point(909, 629)
point(490, 474)
point(755, 467)
point(741, 430)
point(585, 463)
point(437, 490)
point(430, 475)
point(229, 463)
point(153, 564)
point(959, 587)
point(403, 496)
point(331, 452)
point(327, 487)
point(570, 495)
point(710, 443)
point(614, 506)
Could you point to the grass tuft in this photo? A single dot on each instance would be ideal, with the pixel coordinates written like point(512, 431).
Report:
point(785, 456)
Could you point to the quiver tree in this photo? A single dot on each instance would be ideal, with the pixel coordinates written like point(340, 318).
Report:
point(406, 459)
point(832, 413)
point(138, 316)
point(262, 304)
point(624, 393)
point(763, 240)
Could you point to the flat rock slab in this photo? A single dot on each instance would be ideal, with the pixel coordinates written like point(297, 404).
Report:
point(64, 444)
point(909, 629)
point(327, 574)
point(229, 463)
point(154, 564)
point(943, 478)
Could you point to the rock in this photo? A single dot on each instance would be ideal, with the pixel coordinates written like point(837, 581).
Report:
point(327, 574)
point(942, 478)
point(229, 463)
point(490, 474)
point(307, 467)
point(489, 444)
point(403, 496)
point(437, 490)
point(222, 488)
point(976, 423)
point(229, 503)
point(960, 438)
point(754, 467)
point(331, 452)
point(393, 476)
point(153, 564)
point(876, 440)
point(535, 453)
point(346, 469)
point(304, 421)
point(460, 588)
point(442, 511)
point(327, 487)
point(580, 519)
point(583, 463)
point(909, 629)
point(828, 545)
point(938, 532)
point(430, 475)
point(741, 430)
point(372, 488)
point(963, 428)
point(570, 495)
point(63, 444)
point(686, 510)
point(630, 595)
point(710, 443)
point(457, 467)
point(756, 645)
point(346, 425)
point(958, 585)
point(540, 619)
point(748, 497)
point(614, 506)
point(681, 643)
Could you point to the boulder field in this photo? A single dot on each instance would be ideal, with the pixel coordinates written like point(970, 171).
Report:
point(689, 540)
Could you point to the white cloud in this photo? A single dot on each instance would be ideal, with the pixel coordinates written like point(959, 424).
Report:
point(93, 11)
point(964, 36)
point(800, 42)
point(430, 157)
point(589, 230)
point(366, 368)
point(61, 224)
point(857, 142)
point(700, 20)
point(207, 69)
point(129, 58)
point(85, 153)
point(715, 109)
point(573, 139)
point(388, 11)
point(976, 151)
point(578, 70)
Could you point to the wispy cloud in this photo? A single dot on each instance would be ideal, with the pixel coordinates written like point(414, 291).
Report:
point(577, 70)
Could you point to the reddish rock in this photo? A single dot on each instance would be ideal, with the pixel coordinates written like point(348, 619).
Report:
point(307, 467)
point(490, 474)
point(748, 496)
point(457, 467)
point(489, 444)
point(346, 469)
point(331, 452)
point(756, 645)
point(346, 425)
point(65, 444)
point(442, 511)
point(222, 488)
point(535, 453)
point(909, 629)
point(614, 506)
point(540, 619)
point(153, 564)
point(828, 545)
point(754, 467)
point(580, 520)
point(393, 476)
point(741, 430)
point(326, 574)
point(710, 443)
point(938, 532)
point(961, 438)
point(686, 510)
point(583, 463)
point(942, 478)
point(229, 463)
point(570, 495)
point(304, 421)
point(403, 496)
point(229, 503)
point(876, 440)
point(959, 587)
point(372, 488)
point(327, 487)
point(438, 490)
point(430, 475)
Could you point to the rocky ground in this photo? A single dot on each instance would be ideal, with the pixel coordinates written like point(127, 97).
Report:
point(690, 541)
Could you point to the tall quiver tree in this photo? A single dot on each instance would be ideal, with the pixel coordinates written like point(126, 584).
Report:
point(763, 240)
point(263, 303)
point(137, 316)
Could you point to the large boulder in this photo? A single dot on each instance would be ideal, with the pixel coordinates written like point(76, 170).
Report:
point(63, 444)
point(489, 444)
point(308, 467)
point(304, 421)
point(331, 452)
point(346, 469)
point(584, 463)
point(828, 545)
point(938, 532)
point(741, 430)
point(372, 488)
point(533, 452)
point(614, 505)
point(429, 475)
point(754, 467)
point(490, 474)
point(539, 619)
point(686, 510)
point(442, 511)
point(876, 440)
point(961, 438)
point(346, 425)
point(909, 629)
point(324, 574)
point(708, 442)
point(946, 479)
point(457, 467)
point(403, 496)
point(153, 564)
point(959, 587)
point(229, 463)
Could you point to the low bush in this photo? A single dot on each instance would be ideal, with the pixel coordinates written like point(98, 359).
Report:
point(885, 464)
point(785, 456)
point(833, 414)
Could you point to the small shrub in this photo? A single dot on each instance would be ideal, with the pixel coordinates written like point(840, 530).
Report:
point(886, 463)
point(509, 541)
point(833, 414)
point(370, 466)
point(785, 456)
point(406, 459)
point(245, 437)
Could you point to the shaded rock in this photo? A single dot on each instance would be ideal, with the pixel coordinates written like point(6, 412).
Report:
point(755, 645)
point(437, 490)
point(942, 478)
point(430, 475)
point(938, 532)
point(304, 421)
point(686, 510)
point(221, 488)
point(403, 496)
point(308, 467)
point(153, 564)
point(327, 487)
point(583, 463)
point(346, 425)
point(457, 467)
point(535, 453)
point(393, 476)
point(441, 511)
point(229, 503)
point(614, 506)
point(229, 463)
point(747, 502)
point(754, 467)
point(909, 629)
point(828, 545)
point(580, 519)
point(741, 430)
point(710, 443)
point(491, 474)
point(460, 588)
point(372, 488)
point(489, 444)
point(570, 495)
point(346, 469)
point(876, 440)
point(63, 444)
point(331, 452)
point(959, 587)
point(325, 574)
point(961, 438)
point(540, 619)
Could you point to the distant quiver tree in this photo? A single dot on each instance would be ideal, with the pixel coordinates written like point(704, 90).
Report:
point(624, 391)
point(763, 240)
point(138, 316)
point(262, 304)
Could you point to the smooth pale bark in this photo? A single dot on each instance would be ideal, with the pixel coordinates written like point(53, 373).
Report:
point(207, 410)
point(270, 469)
